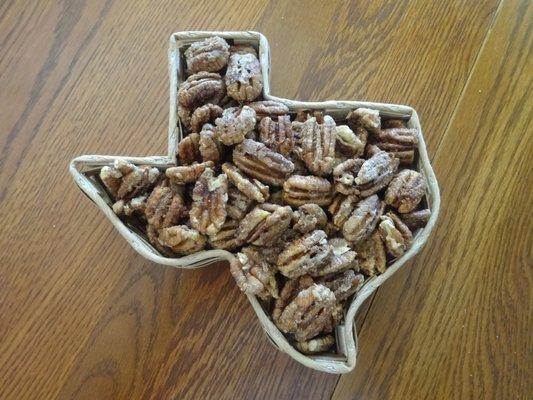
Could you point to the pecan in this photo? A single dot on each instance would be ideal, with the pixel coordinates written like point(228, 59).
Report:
point(201, 88)
point(137, 205)
point(393, 123)
point(203, 115)
point(226, 237)
point(371, 256)
point(253, 275)
point(152, 235)
point(208, 145)
point(235, 124)
point(189, 149)
point(238, 203)
point(376, 173)
point(406, 190)
point(350, 143)
point(124, 181)
point(184, 115)
point(344, 175)
point(317, 144)
point(210, 195)
point(259, 162)
point(365, 117)
point(341, 208)
point(416, 219)
point(264, 225)
point(290, 290)
point(304, 255)
point(268, 108)
point(316, 345)
point(165, 207)
point(299, 190)
point(244, 79)
point(401, 142)
point(187, 173)
point(343, 285)
point(250, 187)
point(277, 135)
point(181, 239)
point(364, 219)
point(395, 234)
point(299, 165)
point(276, 198)
point(342, 258)
point(309, 217)
point(210, 55)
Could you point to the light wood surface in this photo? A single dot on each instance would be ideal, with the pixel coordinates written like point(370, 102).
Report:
point(83, 316)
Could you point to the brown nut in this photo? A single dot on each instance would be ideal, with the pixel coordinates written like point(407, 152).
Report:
point(244, 79)
point(344, 284)
point(226, 237)
point(376, 173)
point(189, 149)
point(344, 176)
point(235, 124)
point(259, 162)
point(210, 55)
point(238, 203)
point(184, 114)
point(253, 275)
point(181, 239)
point(400, 142)
point(316, 345)
point(187, 173)
point(165, 207)
point(341, 208)
point(206, 114)
point(395, 234)
point(264, 225)
point(371, 256)
point(304, 255)
point(277, 134)
point(342, 258)
point(252, 188)
point(317, 144)
point(289, 291)
point(124, 181)
point(365, 117)
point(210, 195)
point(201, 88)
point(363, 220)
point(393, 123)
point(349, 143)
point(209, 146)
point(406, 190)
point(299, 190)
point(268, 108)
point(309, 217)
point(135, 206)
point(416, 219)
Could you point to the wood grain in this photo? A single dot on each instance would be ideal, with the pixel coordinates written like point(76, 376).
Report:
point(82, 316)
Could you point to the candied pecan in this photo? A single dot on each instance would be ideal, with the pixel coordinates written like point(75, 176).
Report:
point(253, 275)
point(364, 219)
point(136, 206)
point(203, 115)
point(277, 198)
point(299, 190)
point(165, 207)
point(343, 285)
point(268, 108)
point(304, 255)
point(395, 234)
point(317, 144)
point(244, 79)
point(277, 135)
point(189, 150)
point(235, 124)
point(124, 181)
point(365, 117)
point(210, 55)
point(187, 173)
point(201, 88)
point(341, 208)
point(416, 219)
point(226, 237)
point(342, 258)
point(181, 239)
point(316, 345)
point(309, 217)
point(393, 123)
point(184, 115)
point(406, 190)
point(401, 142)
point(287, 294)
point(208, 145)
point(152, 235)
point(264, 225)
point(344, 175)
point(371, 256)
point(210, 195)
point(250, 187)
point(258, 161)
point(376, 173)
point(350, 143)
point(238, 203)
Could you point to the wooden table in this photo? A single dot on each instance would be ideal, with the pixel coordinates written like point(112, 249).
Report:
point(83, 316)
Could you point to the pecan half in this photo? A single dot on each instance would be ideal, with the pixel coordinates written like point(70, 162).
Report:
point(416, 219)
point(401, 142)
point(316, 345)
point(207, 113)
point(299, 190)
point(395, 234)
point(268, 108)
point(181, 239)
point(244, 79)
point(342, 258)
point(235, 124)
point(208, 145)
point(187, 173)
point(343, 285)
point(226, 237)
point(277, 135)
point(210, 55)
point(406, 190)
point(250, 187)
point(349, 143)
point(363, 220)
point(317, 144)
point(189, 149)
point(238, 203)
point(264, 225)
point(259, 162)
point(341, 208)
point(289, 291)
point(365, 117)
point(371, 256)
point(165, 207)
point(124, 181)
point(376, 173)
point(344, 176)
point(210, 195)
point(309, 217)
point(201, 88)
point(136, 206)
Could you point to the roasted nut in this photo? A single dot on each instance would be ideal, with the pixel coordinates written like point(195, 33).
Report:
point(277, 135)
point(152, 235)
point(401, 142)
point(363, 220)
point(210, 55)
point(135, 206)
point(343, 285)
point(244, 79)
point(189, 149)
point(124, 181)
point(395, 234)
point(371, 256)
point(210, 195)
point(317, 144)
point(304, 255)
point(341, 208)
point(259, 162)
point(299, 190)
point(209, 146)
point(184, 115)
point(309, 217)
point(290, 290)
point(226, 237)
point(238, 203)
point(264, 225)
point(376, 173)
point(253, 275)
point(187, 173)
point(205, 114)
point(342, 258)
point(268, 108)
point(276, 198)
point(250, 187)
point(406, 190)
point(365, 117)
point(181, 239)
point(393, 123)
point(200, 89)
point(416, 219)
point(316, 345)
point(344, 176)
point(165, 207)
point(235, 124)
point(349, 143)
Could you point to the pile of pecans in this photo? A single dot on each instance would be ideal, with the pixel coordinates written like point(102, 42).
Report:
point(310, 206)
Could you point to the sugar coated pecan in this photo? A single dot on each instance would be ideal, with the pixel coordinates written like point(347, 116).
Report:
point(342, 258)
point(210, 55)
point(341, 208)
point(277, 134)
point(344, 284)
point(238, 203)
point(317, 144)
point(371, 256)
point(344, 176)
point(205, 114)
point(165, 207)
point(401, 142)
point(349, 143)
point(187, 173)
point(189, 149)
point(299, 190)
point(365, 117)
point(125, 180)
point(376, 173)
point(264, 225)
point(226, 237)
point(406, 190)
point(250, 187)
point(395, 234)
point(416, 219)
point(209, 146)
point(201, 88)
point(210, 195)
point(253, 274)
point(181, 239)
point(268, 108)
point(309, 217)
point(235, 124)
point(363, 220)
point(316, 345)
point(244, 79)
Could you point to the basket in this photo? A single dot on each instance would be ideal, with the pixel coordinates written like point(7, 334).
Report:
point(85, 169)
